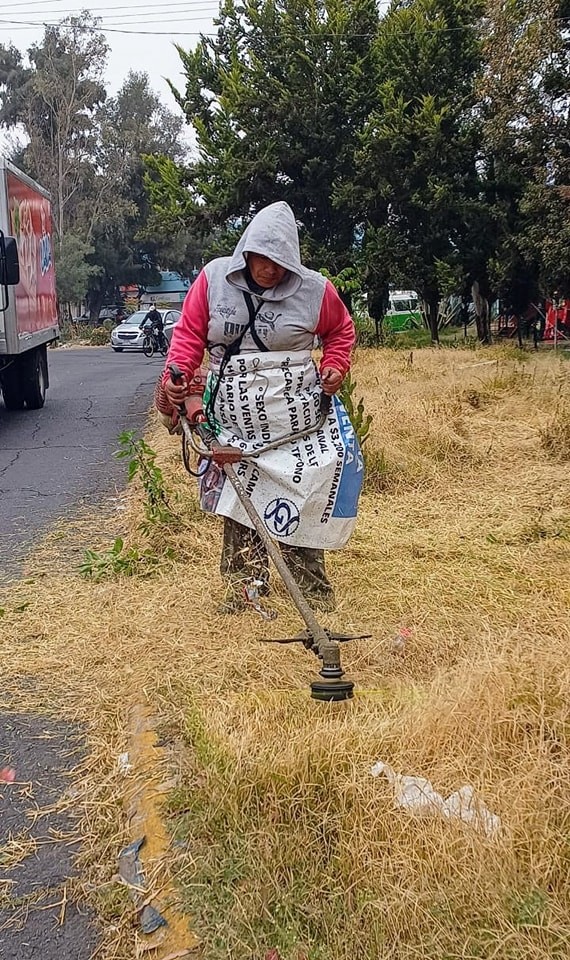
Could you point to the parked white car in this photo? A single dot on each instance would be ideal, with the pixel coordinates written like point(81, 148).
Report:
point(129, 336)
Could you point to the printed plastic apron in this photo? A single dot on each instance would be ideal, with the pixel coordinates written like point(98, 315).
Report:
point(307, 490)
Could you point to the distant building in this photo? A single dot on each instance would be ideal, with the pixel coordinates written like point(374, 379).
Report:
point(171, 291)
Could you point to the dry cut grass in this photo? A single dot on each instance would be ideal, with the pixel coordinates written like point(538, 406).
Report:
point(283, 840)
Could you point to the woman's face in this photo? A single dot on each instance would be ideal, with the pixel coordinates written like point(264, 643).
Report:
point(265, 272)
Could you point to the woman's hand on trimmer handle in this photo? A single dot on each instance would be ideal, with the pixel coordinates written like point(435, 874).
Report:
point(176, 387)
point(331, 380)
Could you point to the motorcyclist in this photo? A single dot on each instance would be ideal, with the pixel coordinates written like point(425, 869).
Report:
point(153, 323)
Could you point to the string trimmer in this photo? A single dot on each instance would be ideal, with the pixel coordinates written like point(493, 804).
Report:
point(316, 638)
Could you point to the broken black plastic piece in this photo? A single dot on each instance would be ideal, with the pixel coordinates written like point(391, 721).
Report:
point(130, 869)
point(150, 919)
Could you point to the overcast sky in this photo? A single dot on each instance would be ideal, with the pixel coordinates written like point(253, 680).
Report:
point(141, 35)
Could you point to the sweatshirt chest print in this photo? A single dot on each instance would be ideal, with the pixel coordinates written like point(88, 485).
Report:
point(233, 329)
point(263, 320)
point(225, 310)
point(268, 317)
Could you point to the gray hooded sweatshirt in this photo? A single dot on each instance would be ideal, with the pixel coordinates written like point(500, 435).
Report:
point(288, 316)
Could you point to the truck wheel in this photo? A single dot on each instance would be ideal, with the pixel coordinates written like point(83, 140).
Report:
point(12, 387)
point(34, 378)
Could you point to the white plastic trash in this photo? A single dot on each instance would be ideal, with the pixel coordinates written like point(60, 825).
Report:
point(123, 763)
point(417, 796)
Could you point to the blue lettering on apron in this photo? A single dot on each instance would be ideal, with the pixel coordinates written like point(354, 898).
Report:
point(352, 475)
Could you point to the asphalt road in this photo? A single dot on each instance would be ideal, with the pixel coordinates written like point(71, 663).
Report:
point(40, 917)
point(61, 457)
point(52, 462)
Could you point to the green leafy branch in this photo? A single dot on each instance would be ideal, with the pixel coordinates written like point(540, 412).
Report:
point(360, 420)
point(118, 561)
point(142, 462)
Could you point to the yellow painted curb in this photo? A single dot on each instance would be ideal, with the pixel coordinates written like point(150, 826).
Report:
point(146, 788)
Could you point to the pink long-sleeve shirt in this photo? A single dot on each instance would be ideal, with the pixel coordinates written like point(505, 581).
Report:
point(215, 313)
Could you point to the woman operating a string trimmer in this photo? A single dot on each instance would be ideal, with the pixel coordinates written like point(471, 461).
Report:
point(258, 314)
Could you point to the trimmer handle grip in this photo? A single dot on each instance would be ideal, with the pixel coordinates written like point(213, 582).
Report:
point(176, 374)
point(325, 404)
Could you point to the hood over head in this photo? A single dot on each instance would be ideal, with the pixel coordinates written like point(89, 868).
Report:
point(272, 233)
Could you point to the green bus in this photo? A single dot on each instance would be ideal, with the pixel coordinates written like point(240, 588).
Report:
point(403, 312)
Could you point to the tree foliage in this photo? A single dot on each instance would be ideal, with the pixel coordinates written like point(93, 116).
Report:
point(277, 100)
point(427, 149)
point(74, 272)
point(131, 125)
point(87, 148)
point(524, 101)
point(55, 99)
point(416, 179)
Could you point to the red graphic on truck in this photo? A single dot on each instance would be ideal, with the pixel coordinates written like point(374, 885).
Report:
point(30, 224)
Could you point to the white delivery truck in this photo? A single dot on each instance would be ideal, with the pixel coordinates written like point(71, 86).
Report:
point(28, 303)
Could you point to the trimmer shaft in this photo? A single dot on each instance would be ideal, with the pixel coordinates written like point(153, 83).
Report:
point(324, 643)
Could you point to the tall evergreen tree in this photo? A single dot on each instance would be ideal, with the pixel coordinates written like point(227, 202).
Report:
point(277, 100)
point(525, 106)
point(417, 184)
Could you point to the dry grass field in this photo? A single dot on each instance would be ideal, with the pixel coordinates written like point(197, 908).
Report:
point(282, 840)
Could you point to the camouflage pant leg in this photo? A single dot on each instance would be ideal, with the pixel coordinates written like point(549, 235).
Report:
point(244, 557)
point(308, 567)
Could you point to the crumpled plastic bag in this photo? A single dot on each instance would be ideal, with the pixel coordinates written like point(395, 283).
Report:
point(123, 763)
point(417, 796)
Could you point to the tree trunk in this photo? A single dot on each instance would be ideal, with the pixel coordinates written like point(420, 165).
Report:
point(481, 304)
point(430, 310)
point(59, 191)
point(95, 304)
point(378, 300)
